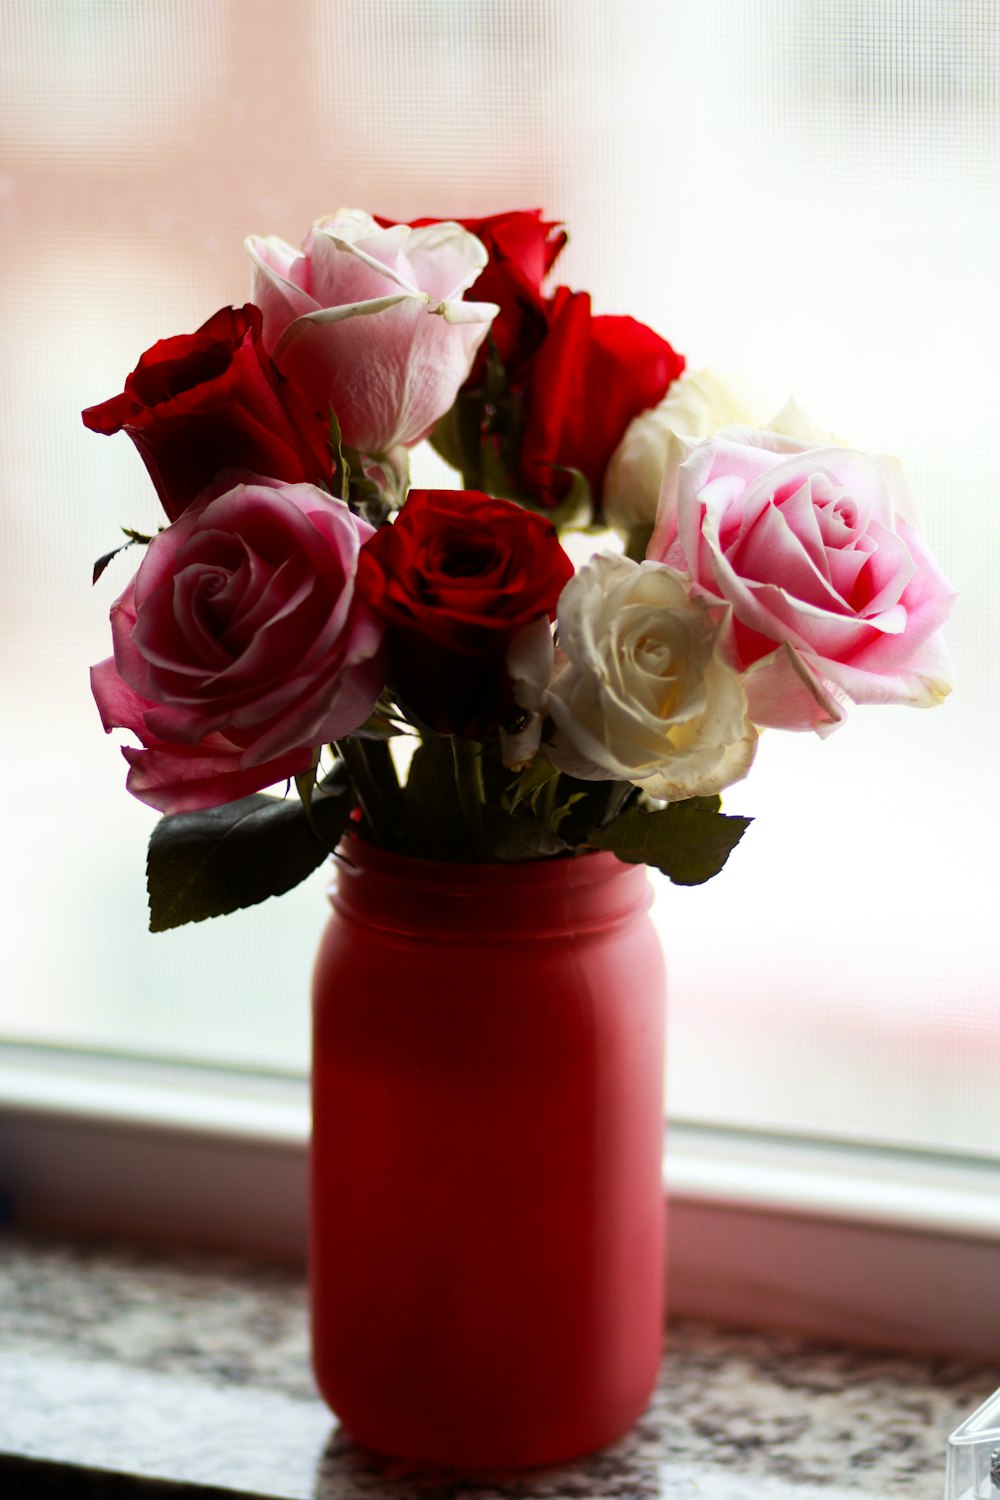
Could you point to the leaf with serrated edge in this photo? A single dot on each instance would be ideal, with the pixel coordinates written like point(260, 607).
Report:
point(102, 562)
point(207, 864)
point(689, 844)
point(134, 538)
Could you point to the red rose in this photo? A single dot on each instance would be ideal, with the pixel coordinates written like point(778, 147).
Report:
point(455, 577)
point(203, 402)
point(522, 249)
point(590, 377)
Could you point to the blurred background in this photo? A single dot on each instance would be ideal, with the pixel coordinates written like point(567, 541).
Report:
point(806, 194)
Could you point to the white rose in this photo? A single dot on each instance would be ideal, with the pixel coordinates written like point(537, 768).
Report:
point(529, 662)
point(639, 693)
point(697, 405)
point(792, 422)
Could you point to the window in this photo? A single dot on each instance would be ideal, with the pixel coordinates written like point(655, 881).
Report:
point(806, 194)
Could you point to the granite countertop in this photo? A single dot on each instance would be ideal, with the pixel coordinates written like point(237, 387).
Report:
point(121, 1369)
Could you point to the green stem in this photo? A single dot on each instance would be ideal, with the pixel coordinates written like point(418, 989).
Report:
point(383, 770)
point(471, 792)
point(371, 796)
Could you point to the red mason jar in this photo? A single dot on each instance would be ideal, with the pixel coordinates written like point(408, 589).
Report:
point(487, 1220)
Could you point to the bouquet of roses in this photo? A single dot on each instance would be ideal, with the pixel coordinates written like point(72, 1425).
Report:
point(303, 615)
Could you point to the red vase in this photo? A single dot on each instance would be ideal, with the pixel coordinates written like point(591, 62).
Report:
point(487, 1228)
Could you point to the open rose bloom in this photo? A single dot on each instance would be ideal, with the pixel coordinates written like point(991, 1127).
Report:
point(240, 645)
point(302, 611)
point(641, 693)
point(831, 594)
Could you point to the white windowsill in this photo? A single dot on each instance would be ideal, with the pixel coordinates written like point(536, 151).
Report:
point(879, 1247)
point(51, 1084)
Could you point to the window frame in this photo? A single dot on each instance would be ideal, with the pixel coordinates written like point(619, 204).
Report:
point(881, 1248)
point(885, 1247)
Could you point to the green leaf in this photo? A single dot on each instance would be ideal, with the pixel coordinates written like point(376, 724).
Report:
point(305, 785)
point(531, 781)
point(134, 538)
point(511, 839)
point(340, 478)
point(638, 541)
point(576, 508)
point(495, 476)
point(586, 806)
point(383, 723)
point(434, 822)
point(688, 841)
point(207, 864)
point(702, 804)
point(563, 810)
point(446, 439)
point(458, 437)
point(102, 562)
point(618, 794)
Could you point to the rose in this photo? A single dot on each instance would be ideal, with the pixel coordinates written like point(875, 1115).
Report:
point(371, 321)
point(455, 577)
point(834, 595)
point(572, 382)
point(177, 778)
point(698, 404)
point(522, 249)
point(589, 379)
point(207, 401)
point(640, 692)
point(239, 646)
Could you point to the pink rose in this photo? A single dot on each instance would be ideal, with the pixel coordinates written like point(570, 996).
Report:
point(371, 321)
point(835, 597)
point(239, 646)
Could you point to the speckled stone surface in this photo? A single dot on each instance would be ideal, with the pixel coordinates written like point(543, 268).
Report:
point(120, 1370)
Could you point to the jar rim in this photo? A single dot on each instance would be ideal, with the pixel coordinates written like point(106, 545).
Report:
point(584, 866)
point(406, 894)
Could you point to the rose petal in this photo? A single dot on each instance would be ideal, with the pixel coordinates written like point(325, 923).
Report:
point(386, 373)
point(391, 380)
point(175, 780)
point(924, 681)
point(343, 271)
point(642, 695)
point(446, 259)
point(278, 283)
point(785, 692)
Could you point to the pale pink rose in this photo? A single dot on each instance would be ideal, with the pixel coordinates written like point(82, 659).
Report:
point(239, 645)
point(834, 596)
point(372, 321)
point(699, 404)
